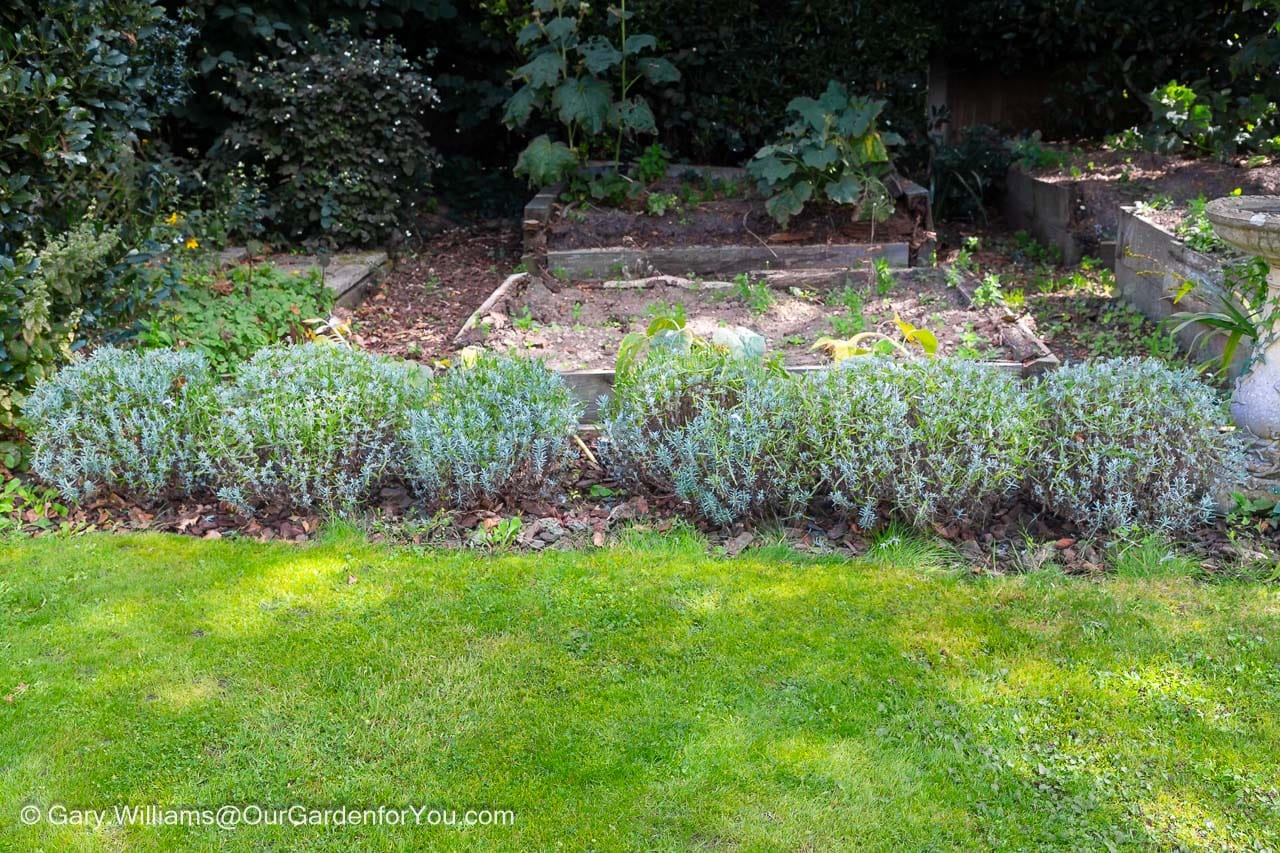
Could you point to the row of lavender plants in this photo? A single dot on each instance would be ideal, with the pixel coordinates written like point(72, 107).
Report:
point(1104, 445)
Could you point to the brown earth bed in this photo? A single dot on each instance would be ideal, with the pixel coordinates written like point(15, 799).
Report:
point(420, 305)
point(722, 222)
point(580, 325)
point(1107, 179)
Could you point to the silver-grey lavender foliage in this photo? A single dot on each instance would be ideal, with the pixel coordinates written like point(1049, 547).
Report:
point(500, 428)
point(314, 426)
point(973, 430)
point(718, 431)
point(125, 421)
point(1134, 442)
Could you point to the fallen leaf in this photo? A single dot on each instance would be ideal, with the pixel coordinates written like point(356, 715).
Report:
point(212, 534)
point(735, 545)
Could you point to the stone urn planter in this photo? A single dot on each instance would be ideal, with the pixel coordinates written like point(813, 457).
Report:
point(1252, 225)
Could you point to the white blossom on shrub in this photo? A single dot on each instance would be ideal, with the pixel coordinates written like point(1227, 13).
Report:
point(125, 421)
point(499, 428)
point(313, 426)
point(1134, 442)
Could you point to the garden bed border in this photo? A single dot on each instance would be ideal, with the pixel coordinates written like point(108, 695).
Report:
point(616, 261)
point(1151, 267)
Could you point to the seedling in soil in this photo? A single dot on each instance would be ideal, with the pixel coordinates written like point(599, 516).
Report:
point(657, 204)
point(847, 327)
point(577, 311)
point(756, 295)
point(990, 292)
point(882, 276)
point(524, 320)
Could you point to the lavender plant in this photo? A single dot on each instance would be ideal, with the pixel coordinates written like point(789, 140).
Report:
point(313, 426)
point(1134, 442)
point(499, 428)
point(123, 421)
point(856, 421)
point(717, 430)
point(974, 432)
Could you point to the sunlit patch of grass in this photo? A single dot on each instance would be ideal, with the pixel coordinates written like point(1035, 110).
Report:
point(652, 695)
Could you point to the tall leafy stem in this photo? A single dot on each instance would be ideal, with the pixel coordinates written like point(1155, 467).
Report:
point(586, 82)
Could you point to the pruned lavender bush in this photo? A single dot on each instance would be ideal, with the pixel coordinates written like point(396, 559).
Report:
point(974, 433)
point(314, 426)
point(932, 440)
point(718, 431)
point(499, 428)
point(856, 421)
point(1134, 442)
point(123, 421)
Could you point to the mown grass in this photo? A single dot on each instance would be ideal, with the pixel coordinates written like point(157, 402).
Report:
point(641, 697)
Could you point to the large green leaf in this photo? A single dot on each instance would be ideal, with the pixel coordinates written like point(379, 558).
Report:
point(560, 30)
point(847, 190)
point(789, 202)
point(633, 115)
point(637, 43)
point(819, 156)
point(543, 71)
point(657, 71)
point(545, 162)
point(599, 54)
point(810, 111)
point(770, 169)
point(584, 101)
point(520, 106)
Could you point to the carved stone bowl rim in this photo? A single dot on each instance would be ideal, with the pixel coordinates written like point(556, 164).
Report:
point(1246, 213)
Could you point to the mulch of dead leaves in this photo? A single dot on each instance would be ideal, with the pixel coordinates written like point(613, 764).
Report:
point(596, 509)
point(426, 297)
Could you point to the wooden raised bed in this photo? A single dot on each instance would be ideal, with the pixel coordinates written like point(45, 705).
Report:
point(1152, 267)
point(751, 253)
point(711, 304)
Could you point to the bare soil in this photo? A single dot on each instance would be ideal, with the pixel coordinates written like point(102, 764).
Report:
point(580, 326)
point(1106, 179)
point(425, 299)
point(741, 220)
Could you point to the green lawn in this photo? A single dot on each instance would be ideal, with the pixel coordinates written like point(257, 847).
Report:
point(644, 697)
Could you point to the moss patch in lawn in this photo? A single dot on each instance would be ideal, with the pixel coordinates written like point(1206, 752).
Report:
point(647, 696)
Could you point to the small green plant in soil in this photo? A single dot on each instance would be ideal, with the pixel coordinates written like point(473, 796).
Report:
point(883, 277)
point(1197, 231)
point(756, 295)
point(1028, 249)
point(658, 204)
point(832, 151)
point(652, 164)
point(232, 313)
point(989, 292)
point(524, 320)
